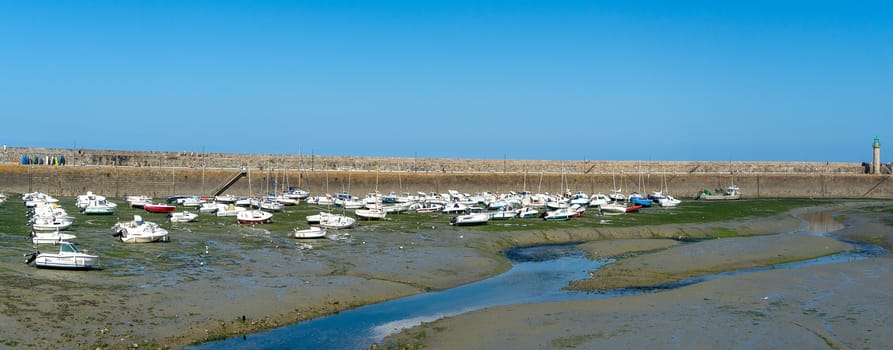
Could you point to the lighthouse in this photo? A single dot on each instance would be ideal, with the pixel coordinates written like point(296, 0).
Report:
point(876, 162)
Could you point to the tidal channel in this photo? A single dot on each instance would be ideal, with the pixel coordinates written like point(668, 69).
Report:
point(538, 274)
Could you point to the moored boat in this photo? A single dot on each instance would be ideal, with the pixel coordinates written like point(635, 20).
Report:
point(560, 214)
point(140, 231)
point(55, 237)
point(470, 219)
point(254, 217)
point(68, 257)
point(528, 212)
point(159, 208)
point(49, 223)
point(337, 221)
point(183, 216)
point(730, 193)
point(229, 210)
point(668, 201)
point(99, 207)
point(612, 208)
point(373, 213)
point(311, 232)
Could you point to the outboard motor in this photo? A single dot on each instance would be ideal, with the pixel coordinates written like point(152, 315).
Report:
point(31, 257)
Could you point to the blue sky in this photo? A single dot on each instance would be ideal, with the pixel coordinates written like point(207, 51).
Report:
point(612, 80)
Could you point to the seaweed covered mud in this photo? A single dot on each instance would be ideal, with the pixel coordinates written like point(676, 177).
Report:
point(218, 279)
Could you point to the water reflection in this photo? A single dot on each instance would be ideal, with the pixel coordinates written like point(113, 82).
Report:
point(820, 222)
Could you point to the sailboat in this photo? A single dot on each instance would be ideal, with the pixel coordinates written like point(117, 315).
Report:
point(616, 193)
point(663, 197)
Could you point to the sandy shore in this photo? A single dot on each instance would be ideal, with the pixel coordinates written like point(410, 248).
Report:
point(161, 301)
point(838, 306)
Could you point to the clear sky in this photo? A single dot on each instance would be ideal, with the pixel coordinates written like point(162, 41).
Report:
point(612, 80)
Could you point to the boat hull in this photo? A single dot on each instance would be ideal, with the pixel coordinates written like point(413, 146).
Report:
point(470, 219)
point(313, 232)
point(159, 208)
point(79, 262)
point(254, 217)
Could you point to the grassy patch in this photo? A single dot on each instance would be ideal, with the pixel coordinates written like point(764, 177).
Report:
point(571, 341)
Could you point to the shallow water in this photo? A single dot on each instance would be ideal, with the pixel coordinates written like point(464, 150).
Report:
point(538, 274)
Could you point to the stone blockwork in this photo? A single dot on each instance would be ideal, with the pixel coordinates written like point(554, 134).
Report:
point(120, 173)
point(195, 160)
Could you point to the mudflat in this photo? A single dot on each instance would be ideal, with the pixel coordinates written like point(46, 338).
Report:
point(838, 306)
point(218, 279)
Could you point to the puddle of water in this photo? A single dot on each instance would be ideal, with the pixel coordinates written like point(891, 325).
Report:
point(820, 222)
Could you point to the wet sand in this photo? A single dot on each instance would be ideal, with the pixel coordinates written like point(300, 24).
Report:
point(240, 291)
point(837, 306)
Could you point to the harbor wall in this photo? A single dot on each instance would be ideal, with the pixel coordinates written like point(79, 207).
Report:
point(118, 181)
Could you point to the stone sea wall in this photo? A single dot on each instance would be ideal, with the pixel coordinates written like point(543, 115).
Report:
point(159, 174)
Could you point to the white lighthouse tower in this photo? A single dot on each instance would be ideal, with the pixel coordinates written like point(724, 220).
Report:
point(876, 162)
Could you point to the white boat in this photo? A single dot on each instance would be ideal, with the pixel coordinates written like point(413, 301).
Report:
point(49, 223)
point(226, 199)
point(312, 232)
point(269, 206)
point(560, 214)
point(350, 203)
point(230, 210)
point(562, 203)
point(316, 218)
point(598, 199)
point(138, 201)
point(140, 231)
point(455, 207)
point(374, 213)
point(470, 219)
point(296, 193)
point(99, 207)
point(503, 214)
point(83, 200)
point(210, 207)
point(284, 200)
point(68, 257)
point(254, 217)
point(580, 198)
point(54, 237)
point(612, 208)
point(32, 199)
point(396, 208)
point(528, 212)
point(183, 216)
point(427, 207)
point(668, 201)
point(730, 193)
point(321, 200)
point(337, 221)
point(617, 195)
point(193, 201)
